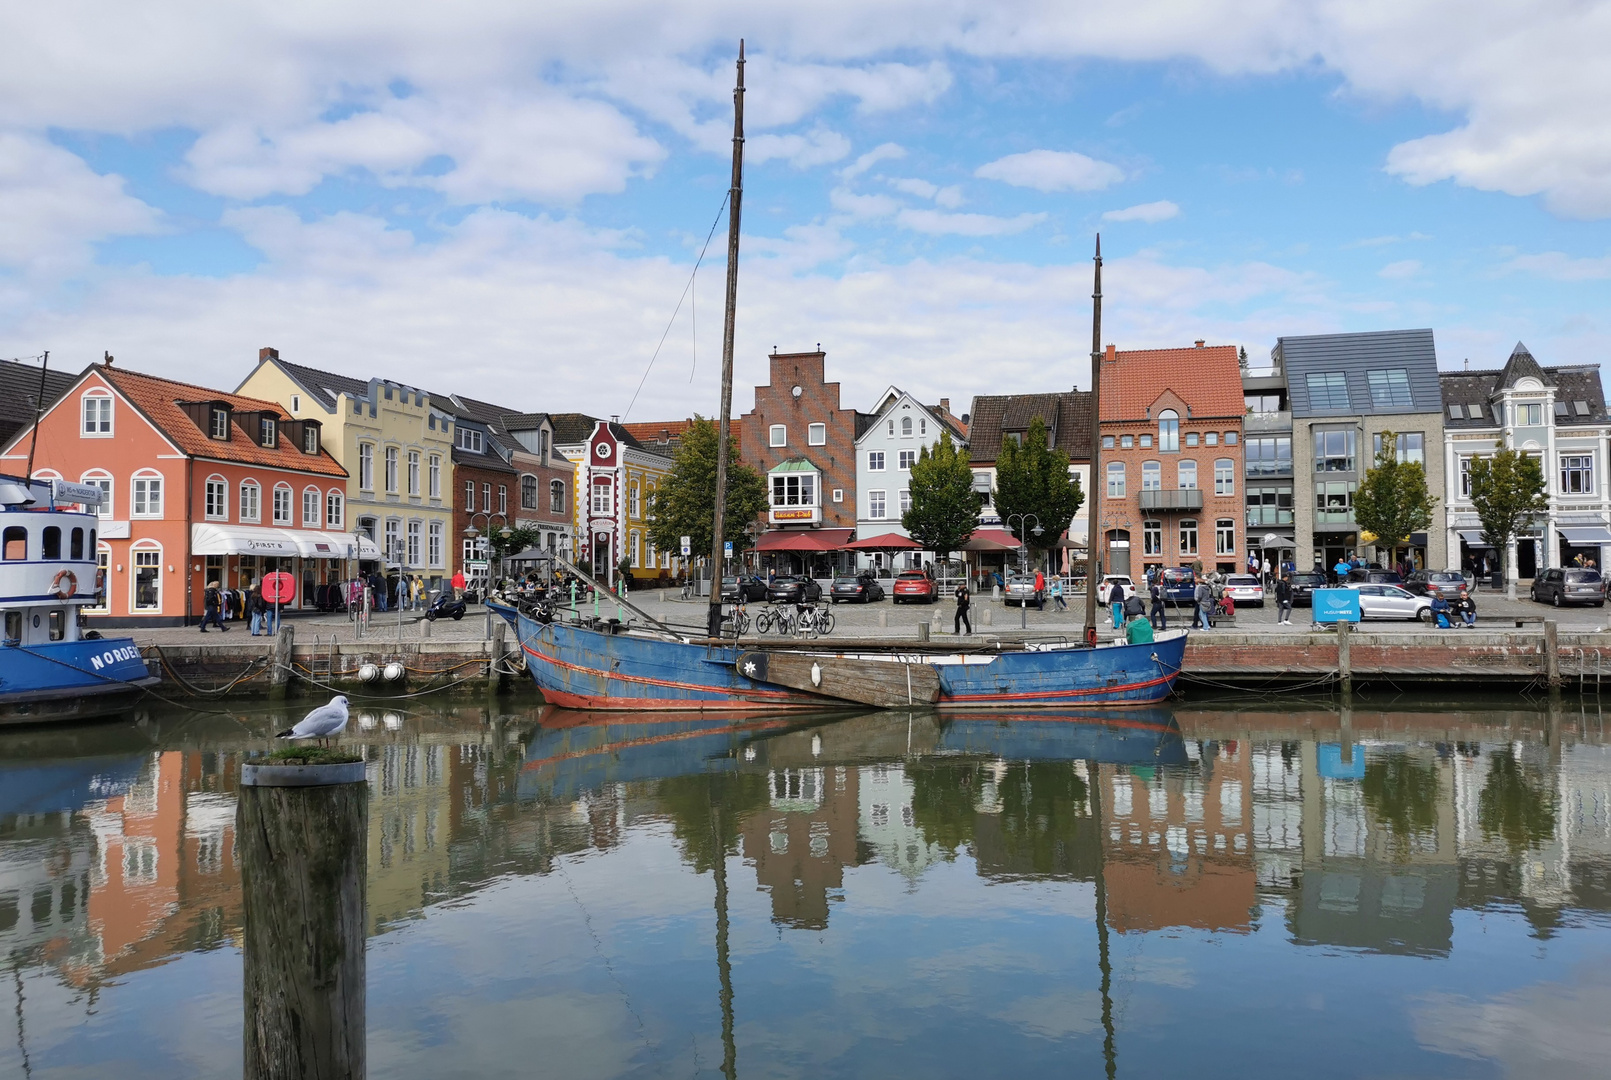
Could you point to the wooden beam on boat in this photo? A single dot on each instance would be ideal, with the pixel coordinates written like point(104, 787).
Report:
point(883, 683)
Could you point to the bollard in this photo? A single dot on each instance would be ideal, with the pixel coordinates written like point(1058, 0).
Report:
point(922, 631)
point(495, 662)
point(303, 878)
point(1345, 671)
point(425, 628)
point(883, 619)
point(989, 617)
point(1552, 652)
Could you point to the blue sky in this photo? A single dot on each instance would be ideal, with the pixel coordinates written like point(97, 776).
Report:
point(509, 202)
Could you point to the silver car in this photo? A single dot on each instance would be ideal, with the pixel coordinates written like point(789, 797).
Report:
point(1390, 602)
point(1020, 590)
point(1245, 589)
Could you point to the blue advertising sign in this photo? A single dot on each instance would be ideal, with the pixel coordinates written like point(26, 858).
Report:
point(1331, 766)
point(1336, 605)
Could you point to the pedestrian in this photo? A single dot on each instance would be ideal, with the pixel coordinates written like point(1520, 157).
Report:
point(1138, 630)
point(1040, 591)
point(1116, 600)
point(1341, 570)
point(458, 584)
point(213, 608)
point(1158, 617)
point(1203, 597)
point(255, 608)
point(377, 585)
point(962, 618)
point(1283, 601)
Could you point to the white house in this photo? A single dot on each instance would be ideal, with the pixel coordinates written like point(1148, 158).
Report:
point(900, 427)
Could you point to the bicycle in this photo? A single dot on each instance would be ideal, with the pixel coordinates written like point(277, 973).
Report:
point(688, 590)
point(739, 620)
point(814, 621)
point(775, 616)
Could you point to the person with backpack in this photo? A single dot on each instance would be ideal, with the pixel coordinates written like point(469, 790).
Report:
point(256, 608)
point(1203, 596)
point(1159, 616)
point(1057, 594)
point(1116, 601)
point(213, 608)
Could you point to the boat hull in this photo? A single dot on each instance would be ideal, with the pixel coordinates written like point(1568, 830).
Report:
point(578, 667)
point(70, 680)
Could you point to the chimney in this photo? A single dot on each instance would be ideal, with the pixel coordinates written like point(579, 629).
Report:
point(266, 353)
point(945, 405)
point(1199, 343)
point(614, 419)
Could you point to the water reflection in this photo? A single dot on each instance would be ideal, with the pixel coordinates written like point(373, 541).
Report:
point(1370, 832)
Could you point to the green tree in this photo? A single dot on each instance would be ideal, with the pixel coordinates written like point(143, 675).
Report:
point(519, 539)
point(1516, 803)
point(1393, 500)
point(1401, 793)
point(685, 502)
point(945, 508)
point(1033, 478)
point(1507, 490)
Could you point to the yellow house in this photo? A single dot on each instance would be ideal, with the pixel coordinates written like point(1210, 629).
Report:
point(397, 450)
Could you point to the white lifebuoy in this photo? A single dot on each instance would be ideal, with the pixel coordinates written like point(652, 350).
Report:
point(65, 584)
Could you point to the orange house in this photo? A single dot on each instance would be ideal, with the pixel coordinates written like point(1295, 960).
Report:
point(200, 485)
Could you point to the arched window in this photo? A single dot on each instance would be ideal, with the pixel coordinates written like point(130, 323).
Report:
point(251, 502)
point(528, 491)
point(97, 588)
point(1151, 476)
point(282, 504)
point(103, 480)
point(1169, 431)
point(906, 428)
point(1224, 476)
point(1188, 475)
point(146, 491)
point(96, 409)
point(1115, 479)
point(335, 510)
point(215, 504)
point(310, 508)
point(145, 583)
point(556, 496)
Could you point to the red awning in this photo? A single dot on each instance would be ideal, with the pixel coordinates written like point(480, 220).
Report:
point(886, 542)
point(803, 540)
point(991, 540)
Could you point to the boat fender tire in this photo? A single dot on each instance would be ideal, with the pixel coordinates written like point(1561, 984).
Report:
point(65, 584)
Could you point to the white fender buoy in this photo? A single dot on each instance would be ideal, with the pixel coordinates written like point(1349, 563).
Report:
point(368, 672)
point(393, 672)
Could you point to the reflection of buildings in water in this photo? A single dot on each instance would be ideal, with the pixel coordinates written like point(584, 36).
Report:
point(801, 843)
point(45, 864)
point(1177, 842)
point(886, 822)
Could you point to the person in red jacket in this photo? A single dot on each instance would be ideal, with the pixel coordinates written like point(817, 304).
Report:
point(1040, 591)
point(458, 584)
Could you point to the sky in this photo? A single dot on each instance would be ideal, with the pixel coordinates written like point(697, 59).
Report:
point(508, 199)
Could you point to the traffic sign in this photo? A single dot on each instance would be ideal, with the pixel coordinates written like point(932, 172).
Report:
point(279, 587)
point(687, 546)
point(727, 549)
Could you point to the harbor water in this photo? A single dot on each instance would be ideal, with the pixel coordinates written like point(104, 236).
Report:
point(1249, 889)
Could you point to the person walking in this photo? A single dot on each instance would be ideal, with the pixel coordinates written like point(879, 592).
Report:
point(1341, 570)
point(1203, 596)
point(1116, 601)
point(1158, 616)
point(1283, 601)
point(963, 603)
point(1040, 591)
point(458, 584)
point(255, 608)
point(213, 608)
point(1057, 594)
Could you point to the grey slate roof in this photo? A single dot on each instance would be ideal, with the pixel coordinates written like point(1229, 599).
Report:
point(1354, 355)
point(571, 427)
point(324, 386)
point(19, 389)
point(1577, 387)
point(1068, 415)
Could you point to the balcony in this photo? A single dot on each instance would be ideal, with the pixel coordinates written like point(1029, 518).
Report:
point(1257, 423)
point(1169, 500)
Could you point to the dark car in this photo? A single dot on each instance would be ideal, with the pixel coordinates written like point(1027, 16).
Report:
point(793, 590)
point(1449, 584)
point(1304, 584)
point(915, 585)
point(1369, 575)
point(1180, 585)
point(863, 588)
point(745, 588)
point(1569, 586)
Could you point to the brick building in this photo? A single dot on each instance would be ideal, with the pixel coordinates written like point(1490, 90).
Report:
point(485, 483)
point(803, 442)
point(1171, 423)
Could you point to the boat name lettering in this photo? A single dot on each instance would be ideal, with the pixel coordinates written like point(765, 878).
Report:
point(115, 656)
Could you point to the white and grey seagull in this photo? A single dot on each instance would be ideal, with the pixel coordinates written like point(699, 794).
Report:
point(321, 723)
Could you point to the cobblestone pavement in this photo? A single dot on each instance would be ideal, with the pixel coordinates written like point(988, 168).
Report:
point(882, 619)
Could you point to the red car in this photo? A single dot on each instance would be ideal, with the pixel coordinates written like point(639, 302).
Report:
point(916, 586)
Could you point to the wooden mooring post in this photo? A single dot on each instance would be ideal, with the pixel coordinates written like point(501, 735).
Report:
point(280, 658)
point(303, 832)
point(1345, 669)
point(1552, 653)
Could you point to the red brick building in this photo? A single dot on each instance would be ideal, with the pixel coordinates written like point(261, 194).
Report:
point(1168, 493)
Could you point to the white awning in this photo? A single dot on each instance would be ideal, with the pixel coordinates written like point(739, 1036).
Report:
point(1597, 534)
point(1473, 538)
point(209, 539)
point(333, 545)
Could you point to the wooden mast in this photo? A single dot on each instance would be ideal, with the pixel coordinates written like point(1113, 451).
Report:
point(735, 198)
point(1093, 497)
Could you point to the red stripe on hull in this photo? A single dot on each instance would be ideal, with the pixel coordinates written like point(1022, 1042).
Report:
point(1063, 695)
point(779, 697)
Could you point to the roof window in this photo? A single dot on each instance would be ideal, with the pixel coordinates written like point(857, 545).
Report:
point(1328, 390)
point(1390, 388)
point(1455, 412)
point(1581, 407)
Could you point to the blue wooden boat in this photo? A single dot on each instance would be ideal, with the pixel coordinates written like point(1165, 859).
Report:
point(590, 665)
point(50, 668)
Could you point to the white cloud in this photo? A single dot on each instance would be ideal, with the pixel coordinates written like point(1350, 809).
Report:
point(1546, 1031)
point(820, 146)
point(949, 197)
point(1559, 266)
point(884, 152)
point(1052, 170)
point(1151, 213)
point(53, 207)
point(1403, 268)
point(936, 223)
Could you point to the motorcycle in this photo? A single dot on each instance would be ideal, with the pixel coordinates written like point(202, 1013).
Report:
point(446, 605)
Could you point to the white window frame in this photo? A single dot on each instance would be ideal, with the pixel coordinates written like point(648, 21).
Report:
point(906, 459)
point(107, 483)
point(415, 542)
point(310, 439)
point(1582, 466)
point(1225, 536)
point(636, 509)
point(312, 499)
point(601, 496)
point(141, 491)
point(215, 498)
point(251, 502)
point(906, 427)
point(1224, 476)
point(1186, 474)
point(1169, 432)
point(1152, 476)
point(1152, 537)
point(391, 470)
point(816, 434)
point(335, 509)
point(366, 466)
point(875, 461)
point(289, 516)
point(435, 545)
point(105, 415)
point(152, 551)
point(392, 548)
point(413, 472)
point(778, 435)
point(1188, 532)
point(218, 423)
point(1115, 479)
point(469, 439)
point(103, 567)
point(877, 505)
point(434, 475)
point(906, 501)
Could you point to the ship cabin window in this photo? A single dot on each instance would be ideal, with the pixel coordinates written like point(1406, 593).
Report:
point(13, 628)
point(58, 624)
point(51, 548)
point(77, 549)
point(14, 542)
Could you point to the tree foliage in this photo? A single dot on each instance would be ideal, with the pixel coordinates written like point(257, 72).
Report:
point(1507, 490)
point(685, 502)
point(519, 539)
point(1393, 500)
point(1034, 479)
point(945, 508)
point(1517, 803)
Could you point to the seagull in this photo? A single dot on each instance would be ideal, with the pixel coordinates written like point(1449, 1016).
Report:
point(321, 723)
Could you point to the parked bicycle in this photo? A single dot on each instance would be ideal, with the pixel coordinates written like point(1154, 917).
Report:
point(738, 623)
point(813, 621)
point(777, 616)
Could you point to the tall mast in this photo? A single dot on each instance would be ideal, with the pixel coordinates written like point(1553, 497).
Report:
point(1092, 497)
point(735, 200)
point(39, 406)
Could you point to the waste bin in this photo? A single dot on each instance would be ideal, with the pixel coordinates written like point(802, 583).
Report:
point(1496, 580)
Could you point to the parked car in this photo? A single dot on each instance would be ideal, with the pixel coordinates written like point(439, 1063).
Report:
point(915, 585)
point(1124, 581)
point(744, 588)
point(1448, 584)
point(1021, 590)
point(793, 590)
point(1303, 584)
point(1569, 586)
point(1390, 602)
point(1245, 589)
point(863, 588)
point(1180, 585)
point(1373, 576)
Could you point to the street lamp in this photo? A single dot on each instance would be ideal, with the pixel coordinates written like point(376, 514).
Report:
point(1023, 556)
point(471, 533)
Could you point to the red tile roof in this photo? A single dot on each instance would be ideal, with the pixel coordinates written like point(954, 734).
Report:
point(1207, 378)
point(668, 433)
point(159, 400)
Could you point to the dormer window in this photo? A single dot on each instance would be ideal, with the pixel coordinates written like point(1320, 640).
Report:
point(218, 424)
point(268, 431)
point(310, 438)
point(469, 439)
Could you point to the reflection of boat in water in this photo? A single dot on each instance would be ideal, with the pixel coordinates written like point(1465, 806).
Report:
point(1127, 737)
point(60, 786)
